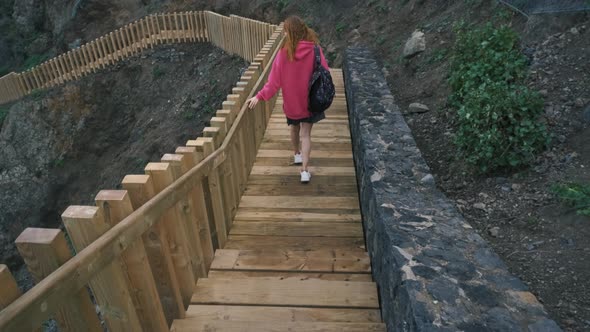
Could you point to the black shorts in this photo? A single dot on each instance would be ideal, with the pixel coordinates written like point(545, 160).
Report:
point(315, 117)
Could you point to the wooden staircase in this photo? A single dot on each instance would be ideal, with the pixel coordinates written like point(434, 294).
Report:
point(295, 258)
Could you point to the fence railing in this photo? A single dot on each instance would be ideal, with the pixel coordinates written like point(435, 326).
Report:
point(140, 250)
point(236, 35)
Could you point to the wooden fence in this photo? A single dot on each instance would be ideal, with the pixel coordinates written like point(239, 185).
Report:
point(140, 250)
point(236, 35)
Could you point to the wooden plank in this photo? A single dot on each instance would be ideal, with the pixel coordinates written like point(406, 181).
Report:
point(315, 154)
point(289, 292)
point(294, 179)
point(322, 261)
point(296, 216)
point(281, 314)
point(315, 146)
point(310, 189)
point(279, 275)
point(345, 133)
point(44, 251)
point(287, 228)
point(246, 242)
point(241, 326)
point(117, 205)
point(289, 170)
point(313, 162)
point(296, 202)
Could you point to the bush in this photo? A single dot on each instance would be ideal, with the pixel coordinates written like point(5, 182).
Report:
point(575, 195)
point(498, 117)
point(497, 126)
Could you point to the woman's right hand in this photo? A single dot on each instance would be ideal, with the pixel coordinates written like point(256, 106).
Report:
point(252, 102)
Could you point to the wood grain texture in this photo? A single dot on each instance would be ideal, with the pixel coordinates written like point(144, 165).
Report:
point(305, 293)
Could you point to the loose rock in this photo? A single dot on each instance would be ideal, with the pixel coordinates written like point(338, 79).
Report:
point(418, 108)
point(416, 44)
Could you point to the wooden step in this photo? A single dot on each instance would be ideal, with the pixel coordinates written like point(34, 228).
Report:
point(282, 275)
point(324, 261)
point(295, 179)
point(310, 189)
point(288, 292)
point(316, 146)
point(247, 242)
point(287, 228)
point(296, 216)
point(246, 326)
point(315, 154)
point(299, 203)
point(281, 314)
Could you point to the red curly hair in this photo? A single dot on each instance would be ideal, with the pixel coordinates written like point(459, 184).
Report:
point(296, 30)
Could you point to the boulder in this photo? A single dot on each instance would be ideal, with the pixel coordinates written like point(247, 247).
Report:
point(416, 44)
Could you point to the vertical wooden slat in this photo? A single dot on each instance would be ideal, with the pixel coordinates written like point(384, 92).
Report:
point(156, 28)
point(44, 251)
point(141, 189)
point(35, 72)
point(116, 206)
point(110, 287)
point(161, 174)
point(159, 28)
point(111, 40)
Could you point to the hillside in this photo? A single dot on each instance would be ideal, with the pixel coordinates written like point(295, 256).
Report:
point(542, 241)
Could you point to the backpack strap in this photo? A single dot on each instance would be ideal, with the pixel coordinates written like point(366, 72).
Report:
point(318, 60)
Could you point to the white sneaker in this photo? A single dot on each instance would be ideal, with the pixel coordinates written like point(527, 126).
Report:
point(305, 176)
point(297, 159)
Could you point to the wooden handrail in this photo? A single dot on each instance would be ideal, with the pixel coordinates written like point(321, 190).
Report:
point(36, 305)
point(144, 33)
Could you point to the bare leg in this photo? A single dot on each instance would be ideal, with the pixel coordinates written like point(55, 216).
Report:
point(305, 143)
point(295, 138)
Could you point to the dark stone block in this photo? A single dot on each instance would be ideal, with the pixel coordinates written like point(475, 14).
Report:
point(421, 252)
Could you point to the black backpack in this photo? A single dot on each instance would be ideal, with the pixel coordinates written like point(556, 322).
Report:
point(321, 87)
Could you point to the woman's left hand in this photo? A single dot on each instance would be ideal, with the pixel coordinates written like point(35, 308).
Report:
point(252, 102)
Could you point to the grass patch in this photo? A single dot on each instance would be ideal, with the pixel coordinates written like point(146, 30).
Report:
point(575, 195)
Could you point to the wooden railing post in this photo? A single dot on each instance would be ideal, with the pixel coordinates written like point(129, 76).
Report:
point(141, 190)
point(188, 215)
point(205, 147)
point(110, 287)
point(9, 290)
point(162, 177)
point(45, 250)
point(198, 197)
point(116, 206)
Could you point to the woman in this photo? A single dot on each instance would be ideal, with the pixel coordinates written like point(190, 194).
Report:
point(291, 72)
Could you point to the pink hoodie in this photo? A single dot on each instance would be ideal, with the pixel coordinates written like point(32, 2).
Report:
point(293, 77)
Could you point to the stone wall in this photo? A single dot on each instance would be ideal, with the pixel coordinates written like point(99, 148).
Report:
point(434, 272)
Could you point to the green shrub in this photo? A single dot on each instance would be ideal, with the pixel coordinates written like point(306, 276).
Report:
point(484, 54)
point(575, 195)
point(498, 117)
point(498, 126)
